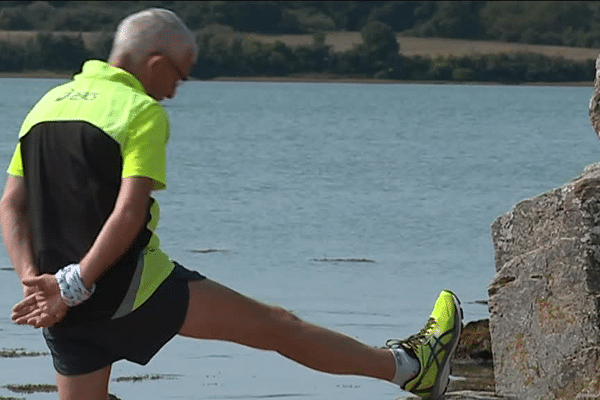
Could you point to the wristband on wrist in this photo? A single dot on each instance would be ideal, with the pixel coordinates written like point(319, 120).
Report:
point(72, 288)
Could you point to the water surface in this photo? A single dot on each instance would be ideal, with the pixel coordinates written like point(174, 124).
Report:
point(280, 176)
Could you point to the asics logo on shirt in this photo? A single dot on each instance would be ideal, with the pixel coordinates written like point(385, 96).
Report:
point(73, 95)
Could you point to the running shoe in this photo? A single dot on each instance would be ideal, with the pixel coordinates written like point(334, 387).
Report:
point(434, 347)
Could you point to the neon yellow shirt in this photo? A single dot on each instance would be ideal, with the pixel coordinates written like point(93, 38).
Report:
point(74, 146)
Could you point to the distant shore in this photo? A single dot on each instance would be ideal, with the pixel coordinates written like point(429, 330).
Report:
point(36, 74)
point(307, 79)
point(334, 79)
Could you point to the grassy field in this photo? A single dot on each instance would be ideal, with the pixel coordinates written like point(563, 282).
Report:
point(433, 47)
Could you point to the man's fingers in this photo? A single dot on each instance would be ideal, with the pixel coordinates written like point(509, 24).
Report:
point(42, 307)
point(38, 317)
point(23, 319)
point(44, 320)
point(26, 303)
point(33, 281)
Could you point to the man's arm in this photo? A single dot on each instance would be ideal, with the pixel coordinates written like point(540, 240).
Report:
point(120, 229)
point(17, 240)
point(45, 306)
point(116, 236)
point(15, 227)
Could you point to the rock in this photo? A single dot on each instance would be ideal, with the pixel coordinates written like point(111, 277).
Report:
point(472, 367)
point(475, 343)
point(472, 395)
point(594, 109)
point(468, 395)
point(544, 298)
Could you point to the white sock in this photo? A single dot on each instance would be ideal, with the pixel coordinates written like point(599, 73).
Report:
point(407, 367)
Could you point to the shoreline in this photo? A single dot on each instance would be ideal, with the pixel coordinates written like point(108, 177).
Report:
point(310, 79)
point(342, 79)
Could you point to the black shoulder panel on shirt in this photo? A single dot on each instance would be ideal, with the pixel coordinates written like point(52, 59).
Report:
point(72, 172)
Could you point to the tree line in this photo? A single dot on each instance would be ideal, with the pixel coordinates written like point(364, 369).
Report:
point(230, 55)
point(569, 23)
point(377, 56)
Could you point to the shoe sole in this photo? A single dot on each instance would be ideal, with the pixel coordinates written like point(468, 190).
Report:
point(441, 383)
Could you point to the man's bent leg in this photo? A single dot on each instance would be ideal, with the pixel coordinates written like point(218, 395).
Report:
point(216, 312)
point(92, 386)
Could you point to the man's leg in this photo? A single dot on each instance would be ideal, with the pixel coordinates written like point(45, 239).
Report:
point(92, 386)
point(216, 312)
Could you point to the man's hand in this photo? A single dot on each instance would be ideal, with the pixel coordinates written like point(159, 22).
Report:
point(44, 306)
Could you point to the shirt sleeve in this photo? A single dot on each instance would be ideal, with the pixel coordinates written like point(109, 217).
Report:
point(144, 151)
point(16, 163)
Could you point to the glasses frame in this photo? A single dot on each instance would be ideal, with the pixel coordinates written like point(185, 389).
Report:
point(182, 77)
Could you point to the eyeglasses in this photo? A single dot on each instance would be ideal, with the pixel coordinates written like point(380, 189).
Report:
point(181, 75)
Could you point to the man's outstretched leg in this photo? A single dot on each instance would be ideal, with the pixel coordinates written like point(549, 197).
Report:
point(216, 312)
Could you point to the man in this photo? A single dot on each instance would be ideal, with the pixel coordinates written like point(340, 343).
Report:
point(78, 224)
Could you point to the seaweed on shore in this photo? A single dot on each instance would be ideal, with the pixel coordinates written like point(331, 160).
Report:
point(147, 377)
point(20, 352)
point(356, 260)
point(31, 388)
point(37, 388)
point(206, 251)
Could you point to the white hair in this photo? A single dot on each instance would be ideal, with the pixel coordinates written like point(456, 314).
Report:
point(155, 30)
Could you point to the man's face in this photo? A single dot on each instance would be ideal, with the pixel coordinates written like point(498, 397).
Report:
point(165, 74)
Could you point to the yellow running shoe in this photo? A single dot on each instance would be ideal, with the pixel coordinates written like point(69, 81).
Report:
point(434, 347)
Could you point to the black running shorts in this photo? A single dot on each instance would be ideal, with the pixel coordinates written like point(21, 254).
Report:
point(136, 337)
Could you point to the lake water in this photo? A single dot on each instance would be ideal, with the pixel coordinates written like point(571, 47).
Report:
point(280, 176)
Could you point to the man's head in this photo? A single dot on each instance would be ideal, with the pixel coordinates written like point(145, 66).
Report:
point(156, 47)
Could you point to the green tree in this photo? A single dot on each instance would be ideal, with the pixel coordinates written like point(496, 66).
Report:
point(379, 40)
point(376, 56)
point(80, 19)
point(536, 21)
point(53, 52)
point(314, 58)
point(399, 15)
point(41, 14)
point(14, 19)
point(249, 16)
point(11, 57)
point(454, 19)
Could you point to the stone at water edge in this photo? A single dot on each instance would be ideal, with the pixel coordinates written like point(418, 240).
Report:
point(594, 107)
point(544, 299)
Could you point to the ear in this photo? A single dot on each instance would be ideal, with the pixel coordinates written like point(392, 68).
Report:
point(149, 75)
point(153, 66)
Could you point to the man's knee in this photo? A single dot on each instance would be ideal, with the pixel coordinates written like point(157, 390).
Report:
point(284, 317)
point(282, 326)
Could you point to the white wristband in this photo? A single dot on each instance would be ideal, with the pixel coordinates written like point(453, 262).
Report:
point(72, 288)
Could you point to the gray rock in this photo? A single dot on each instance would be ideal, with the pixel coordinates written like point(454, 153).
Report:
point(594, 109)
point(468, 395)
point(473, 395)
point(544, 298)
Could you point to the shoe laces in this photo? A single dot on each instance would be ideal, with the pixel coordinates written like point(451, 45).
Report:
point(413, 342)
